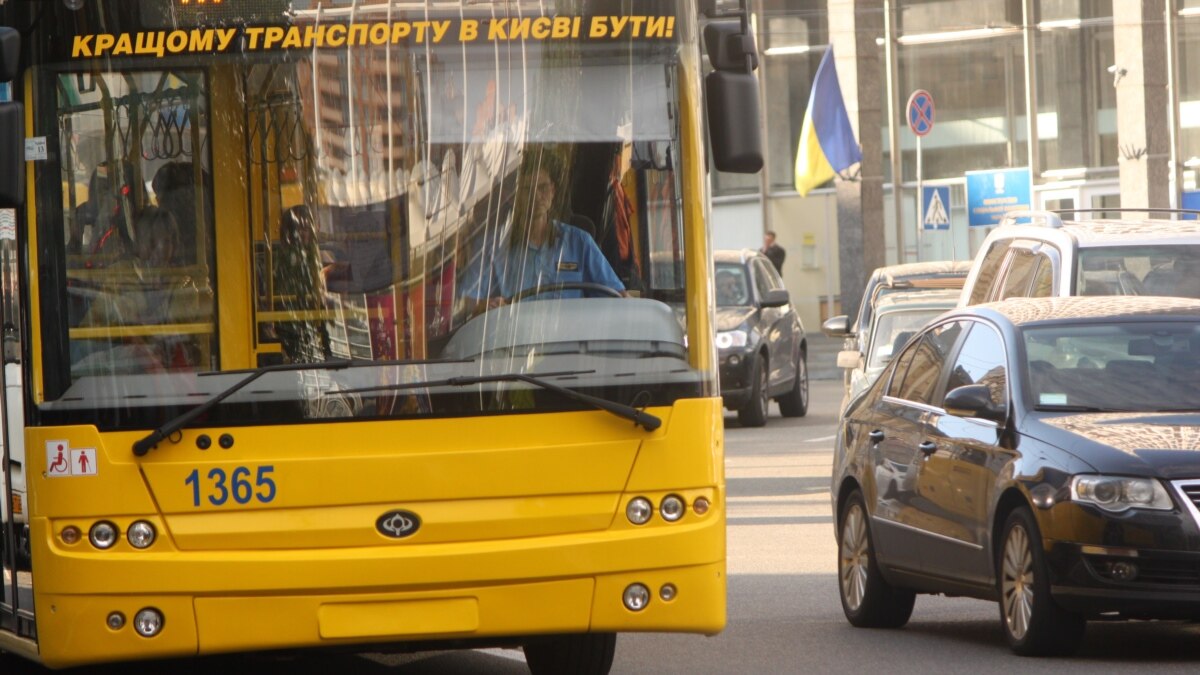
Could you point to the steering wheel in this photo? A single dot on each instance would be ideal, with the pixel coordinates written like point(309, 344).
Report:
point(565, 286)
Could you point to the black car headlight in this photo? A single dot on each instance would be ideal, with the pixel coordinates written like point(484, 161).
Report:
point(1120, 493)
point(732, 338)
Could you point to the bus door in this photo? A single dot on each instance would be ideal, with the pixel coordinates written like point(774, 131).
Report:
point(16, 595)
point(16, 610)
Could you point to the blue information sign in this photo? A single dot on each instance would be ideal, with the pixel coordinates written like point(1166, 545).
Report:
point(935, 207)
point(991, 194)
point(1191, 200)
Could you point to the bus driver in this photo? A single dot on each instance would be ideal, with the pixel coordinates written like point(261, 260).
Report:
point(540, 249)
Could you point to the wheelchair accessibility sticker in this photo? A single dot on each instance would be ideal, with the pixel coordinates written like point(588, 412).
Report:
point(62, 460)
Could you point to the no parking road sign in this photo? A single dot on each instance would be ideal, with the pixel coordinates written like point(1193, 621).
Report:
point(920, 112)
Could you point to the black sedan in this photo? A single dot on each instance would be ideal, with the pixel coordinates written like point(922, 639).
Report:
point(1044, 454)
point(760, 340)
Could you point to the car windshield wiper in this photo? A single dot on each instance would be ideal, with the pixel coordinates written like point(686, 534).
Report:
point(144, 445)
point(1063, 407)
point(640, 418)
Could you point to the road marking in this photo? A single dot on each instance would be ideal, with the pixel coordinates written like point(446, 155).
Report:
point(510, 654)
point(821, 439)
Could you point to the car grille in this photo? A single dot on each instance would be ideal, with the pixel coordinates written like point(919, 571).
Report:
point(1189, 492)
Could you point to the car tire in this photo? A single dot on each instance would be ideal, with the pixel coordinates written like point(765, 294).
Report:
point(795, 402)
point(868, 600)
point(1033, 623)
point(754, 412)
point(584, 654)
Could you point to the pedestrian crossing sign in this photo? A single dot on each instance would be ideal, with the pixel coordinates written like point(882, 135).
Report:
point(935, 208)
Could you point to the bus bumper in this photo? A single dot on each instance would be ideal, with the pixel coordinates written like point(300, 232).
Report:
point(75, 630)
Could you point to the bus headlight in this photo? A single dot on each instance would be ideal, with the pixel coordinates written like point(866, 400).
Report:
point(103, 535)
point(148, 622)
point(672, 508)
point(639, 510)
point(636, 597)
point(140, 534)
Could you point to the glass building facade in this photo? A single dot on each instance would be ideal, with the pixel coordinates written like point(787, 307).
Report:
point(971, 56)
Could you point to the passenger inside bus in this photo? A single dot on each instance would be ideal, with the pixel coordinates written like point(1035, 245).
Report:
point(174, 187)
point(144, 289)
point(541, 250)
point(300, 285)
point(97, 226)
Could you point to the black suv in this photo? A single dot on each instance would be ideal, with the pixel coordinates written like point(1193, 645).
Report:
point(763, 352)
point(1041, 453)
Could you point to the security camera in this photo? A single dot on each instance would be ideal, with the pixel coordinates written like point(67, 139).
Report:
point(1117, 72)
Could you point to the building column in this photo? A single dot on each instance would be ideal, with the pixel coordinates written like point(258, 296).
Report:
point(1143, 119)
point(854, 26)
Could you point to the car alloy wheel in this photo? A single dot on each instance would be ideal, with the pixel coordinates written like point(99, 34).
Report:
point(868, 600)
point(802, 370)
point(854, 558)
point(764, 398)
point(1016, 582)
point(754, 412)
point(1034, 624)
point(795, 402)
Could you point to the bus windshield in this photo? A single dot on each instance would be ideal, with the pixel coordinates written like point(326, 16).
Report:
point(428, 193)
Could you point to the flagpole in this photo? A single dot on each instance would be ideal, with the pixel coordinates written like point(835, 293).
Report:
point(764, 178)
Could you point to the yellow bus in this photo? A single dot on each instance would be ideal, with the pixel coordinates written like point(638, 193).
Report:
point(380, 325)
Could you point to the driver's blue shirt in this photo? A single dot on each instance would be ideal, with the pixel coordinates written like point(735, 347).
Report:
point(571, 256)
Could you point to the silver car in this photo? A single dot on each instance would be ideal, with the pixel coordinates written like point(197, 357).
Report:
point(897, 318)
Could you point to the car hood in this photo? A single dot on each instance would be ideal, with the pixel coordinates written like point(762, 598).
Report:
point(729, 318)
point(1162, 444)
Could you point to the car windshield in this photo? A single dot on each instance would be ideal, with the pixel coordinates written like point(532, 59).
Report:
point(1145, 367)
point(1172, 270)
point(892, 330)
point(324, 189)
point(732, 287)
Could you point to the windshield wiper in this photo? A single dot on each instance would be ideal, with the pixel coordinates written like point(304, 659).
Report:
point(640, 418)
point(141, 447)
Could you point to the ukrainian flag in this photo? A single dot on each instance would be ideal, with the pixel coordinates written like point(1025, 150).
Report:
point(827, 144)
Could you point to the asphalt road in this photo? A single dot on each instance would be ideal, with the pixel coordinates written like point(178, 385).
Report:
point(784, 613)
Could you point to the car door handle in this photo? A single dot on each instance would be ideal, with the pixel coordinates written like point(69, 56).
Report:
point(876, 436)
point(928, 447)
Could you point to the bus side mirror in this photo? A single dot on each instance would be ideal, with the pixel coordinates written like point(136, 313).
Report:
point(715, 9)
point(731, 92)
point(12, 125)
point(733, 122)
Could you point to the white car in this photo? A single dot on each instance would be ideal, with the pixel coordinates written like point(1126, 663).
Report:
point(1057, 258)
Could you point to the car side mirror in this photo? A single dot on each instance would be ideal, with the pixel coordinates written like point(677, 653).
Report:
point(776, 297)
point(837, 327)
point(973, 400)
point(849, 359)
